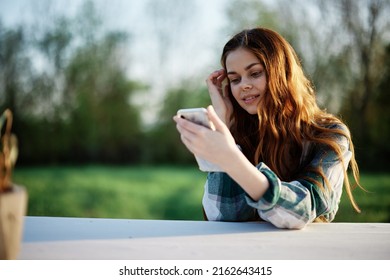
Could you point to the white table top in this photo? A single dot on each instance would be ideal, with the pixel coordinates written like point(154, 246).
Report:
point(84, 238)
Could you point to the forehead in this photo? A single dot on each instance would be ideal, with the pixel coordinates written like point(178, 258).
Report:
point(239, 59)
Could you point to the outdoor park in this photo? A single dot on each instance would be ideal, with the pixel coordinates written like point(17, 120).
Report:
point(93, 112)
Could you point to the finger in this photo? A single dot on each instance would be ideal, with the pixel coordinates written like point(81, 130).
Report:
point(179, 124)
point(186, 125)
point(218, 123)
point(221, 77)
point(187, 137)
point(217, 73)
point(215, 88)
point(186, 143)
point(213, 77)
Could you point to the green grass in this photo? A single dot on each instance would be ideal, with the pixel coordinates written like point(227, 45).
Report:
point(374, 202)
point(163, 192)
point(113, 192)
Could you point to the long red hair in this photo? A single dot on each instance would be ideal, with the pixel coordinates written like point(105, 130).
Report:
point(287, 115)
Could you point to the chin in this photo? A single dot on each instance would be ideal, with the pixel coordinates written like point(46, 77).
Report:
point(251, 111)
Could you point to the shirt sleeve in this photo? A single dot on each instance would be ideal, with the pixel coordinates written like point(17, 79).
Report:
point(225, 200)
point(285, 204)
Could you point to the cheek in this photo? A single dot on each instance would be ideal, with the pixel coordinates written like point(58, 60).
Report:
point(263, 84)
point(235, 92)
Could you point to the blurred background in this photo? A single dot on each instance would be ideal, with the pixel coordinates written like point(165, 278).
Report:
point(93, 86)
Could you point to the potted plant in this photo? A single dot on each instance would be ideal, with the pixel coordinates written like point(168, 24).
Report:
point(13, 198)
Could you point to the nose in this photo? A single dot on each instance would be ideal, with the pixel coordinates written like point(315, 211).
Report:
point(246, 85)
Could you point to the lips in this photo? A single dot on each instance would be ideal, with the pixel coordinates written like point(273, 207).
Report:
point(250, 99)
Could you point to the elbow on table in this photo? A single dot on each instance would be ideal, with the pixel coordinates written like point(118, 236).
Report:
point(285, 219)
point(293, 225)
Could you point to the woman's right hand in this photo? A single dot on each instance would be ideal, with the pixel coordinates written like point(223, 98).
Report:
point(219, 95)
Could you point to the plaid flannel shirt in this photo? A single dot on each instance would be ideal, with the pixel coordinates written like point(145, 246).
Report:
point(285, 204)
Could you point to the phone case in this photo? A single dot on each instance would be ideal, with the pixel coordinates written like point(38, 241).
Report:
point(199, 116)
point(196, 115)
point(207, 166)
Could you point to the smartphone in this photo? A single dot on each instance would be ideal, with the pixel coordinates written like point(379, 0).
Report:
point(199, 116)
point(196, 115)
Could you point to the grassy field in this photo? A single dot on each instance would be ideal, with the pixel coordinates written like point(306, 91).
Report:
point(163, 192)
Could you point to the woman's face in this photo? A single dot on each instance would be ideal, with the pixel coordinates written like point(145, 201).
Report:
point(247, 78)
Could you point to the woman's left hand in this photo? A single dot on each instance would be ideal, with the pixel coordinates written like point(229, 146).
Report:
point(214, 146)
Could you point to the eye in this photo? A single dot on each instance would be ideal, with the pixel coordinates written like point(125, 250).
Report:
point(256, 74)
point(234, 80)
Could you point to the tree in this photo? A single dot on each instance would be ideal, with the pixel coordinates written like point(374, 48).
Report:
point(103, 122)
point(170, 25)
point(377, 152)
point(365, 25)
point(15, 69)
point(251, 13)
point(341, 44)
point(163, 139)
point(16, 90)
point(69, 79)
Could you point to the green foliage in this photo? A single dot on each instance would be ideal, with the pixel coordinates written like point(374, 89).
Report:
point(15, 67)
point(158, 192)
point(163, 139)
point(252, 13)
point(372, 129)
point(103, 123)
point(78, 107)
point(343, 52)
point(374, 201)
point(114, 192)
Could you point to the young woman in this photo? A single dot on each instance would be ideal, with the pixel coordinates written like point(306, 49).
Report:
point(283, 159)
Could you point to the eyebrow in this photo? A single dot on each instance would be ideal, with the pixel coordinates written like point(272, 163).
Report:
point(246, 68)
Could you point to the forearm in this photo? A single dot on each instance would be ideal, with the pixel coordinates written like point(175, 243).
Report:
point(225, 200)
point(241, 170)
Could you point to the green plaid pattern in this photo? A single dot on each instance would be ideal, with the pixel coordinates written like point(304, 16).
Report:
point(285, 204)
